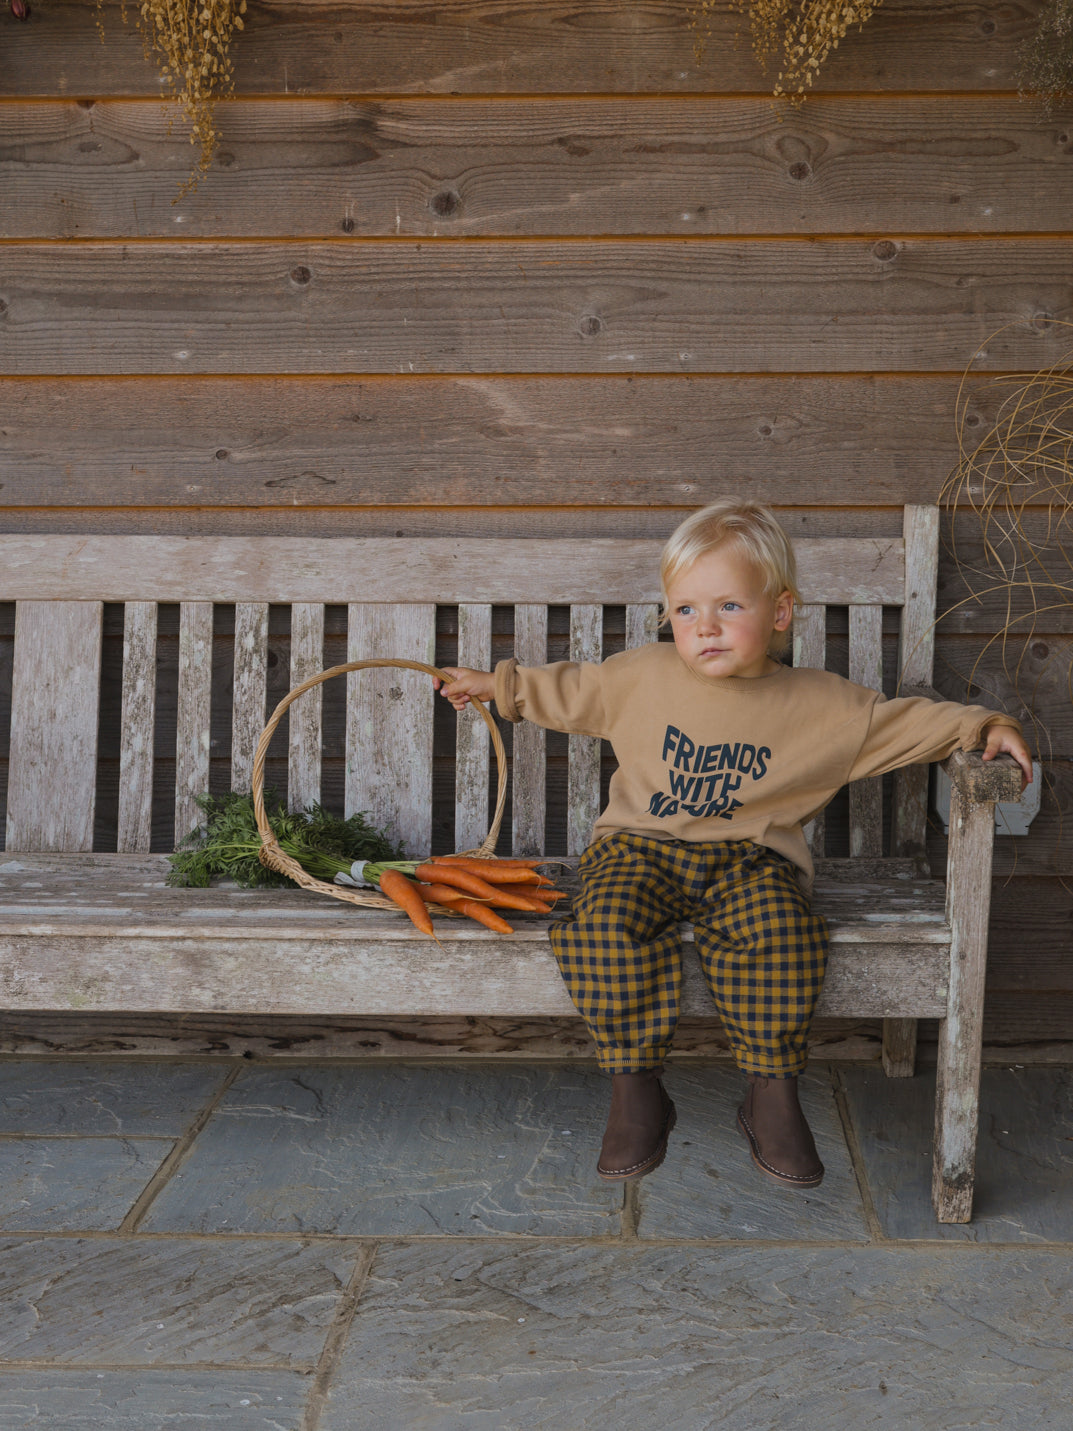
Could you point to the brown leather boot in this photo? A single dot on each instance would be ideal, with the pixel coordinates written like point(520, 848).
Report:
point(638, 1126)
point(779, 1137)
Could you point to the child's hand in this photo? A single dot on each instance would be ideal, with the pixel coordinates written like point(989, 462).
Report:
point(465, 683)
point(1004, 739)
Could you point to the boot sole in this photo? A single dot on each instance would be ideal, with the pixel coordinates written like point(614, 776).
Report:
point(650, 1164)
point(790, 1180)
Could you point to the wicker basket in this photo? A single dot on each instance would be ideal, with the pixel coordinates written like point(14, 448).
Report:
point(271, 854)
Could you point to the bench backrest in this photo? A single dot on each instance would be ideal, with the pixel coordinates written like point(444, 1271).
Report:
point(391, 589)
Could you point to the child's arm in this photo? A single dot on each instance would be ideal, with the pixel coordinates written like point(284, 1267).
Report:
point(466, 682)
point(1004, 739)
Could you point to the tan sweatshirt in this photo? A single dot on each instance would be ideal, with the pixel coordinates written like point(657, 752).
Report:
point(732, 759)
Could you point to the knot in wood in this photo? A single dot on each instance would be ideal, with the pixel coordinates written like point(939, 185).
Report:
point(800, 171)
point(765, 429)
point(1041, 322)
point(300, 275)
point(987, 27)
point(222, 454)
point(445, 203)
point(1041, 649)
point(347, 225)
point(224, 159)
point(3, 307)
point(885, 250)
point(590, 325)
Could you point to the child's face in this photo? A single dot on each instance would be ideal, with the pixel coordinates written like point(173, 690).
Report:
point(721, 617)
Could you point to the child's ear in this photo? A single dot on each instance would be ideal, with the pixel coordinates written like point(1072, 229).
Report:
point(784, 611)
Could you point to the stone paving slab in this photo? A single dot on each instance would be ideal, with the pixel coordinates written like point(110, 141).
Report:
point(395, 1150)
point(1024, 1164)
point(147, 1400)
point(137, 1301)
point(503, 1337)
point(73, 1184)
point(154, 1099)
point(710, 1187)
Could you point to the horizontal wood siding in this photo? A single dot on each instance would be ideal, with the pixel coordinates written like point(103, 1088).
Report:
point(482, 270)
point(541, 46)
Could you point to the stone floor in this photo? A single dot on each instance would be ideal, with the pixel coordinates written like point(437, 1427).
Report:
point(337, 1247)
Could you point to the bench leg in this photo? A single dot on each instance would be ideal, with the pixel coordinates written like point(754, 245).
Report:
point(899, 1047)
point(957, 1099)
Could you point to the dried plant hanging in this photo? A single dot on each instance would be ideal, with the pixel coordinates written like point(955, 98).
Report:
point(795, 35)
point(1045, 62)
point(1017, 481)
point(191, 43)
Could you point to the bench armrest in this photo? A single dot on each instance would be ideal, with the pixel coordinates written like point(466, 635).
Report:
point(998, 779)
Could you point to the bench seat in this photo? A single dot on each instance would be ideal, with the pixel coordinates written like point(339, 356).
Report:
point(104, 932)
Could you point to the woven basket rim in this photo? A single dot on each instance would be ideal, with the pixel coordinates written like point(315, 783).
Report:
point(273, 856)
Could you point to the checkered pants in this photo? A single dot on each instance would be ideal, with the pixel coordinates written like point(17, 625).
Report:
point(762, 950)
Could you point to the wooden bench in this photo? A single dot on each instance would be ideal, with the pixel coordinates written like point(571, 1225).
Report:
point(85, 928)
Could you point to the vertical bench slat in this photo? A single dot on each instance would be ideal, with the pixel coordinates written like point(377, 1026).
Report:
point(642, 625)
point(810, 653)
point(194, 718)
point(137, 726)
point(472, 745)
point(56, 676)
point(583, 759)
point(530, 745)
point(916, 661)
point(915, 667)
point(389, 721)
point(304, 717)
point(866, 669)
point(249, 689)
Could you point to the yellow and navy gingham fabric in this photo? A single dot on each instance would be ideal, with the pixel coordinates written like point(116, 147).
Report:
point(762, 949)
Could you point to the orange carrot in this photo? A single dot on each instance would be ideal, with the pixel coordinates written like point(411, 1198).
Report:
point(483, 915)
point(508, 899)
point(405, 894)
point(459, 878)
point(441, 894)
point(498, 874)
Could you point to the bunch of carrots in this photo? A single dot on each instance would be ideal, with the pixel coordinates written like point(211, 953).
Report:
point(467, 884)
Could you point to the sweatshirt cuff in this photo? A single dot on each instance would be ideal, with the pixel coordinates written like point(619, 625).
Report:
point(994, 718)
point(506, 682)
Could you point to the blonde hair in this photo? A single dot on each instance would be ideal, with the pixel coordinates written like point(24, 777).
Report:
point(749, 526)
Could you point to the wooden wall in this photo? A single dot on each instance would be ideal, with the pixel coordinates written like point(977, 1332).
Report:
point(475, 267)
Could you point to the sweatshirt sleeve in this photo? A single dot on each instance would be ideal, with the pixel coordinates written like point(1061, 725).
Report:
point(567, 695)
point(912, 730)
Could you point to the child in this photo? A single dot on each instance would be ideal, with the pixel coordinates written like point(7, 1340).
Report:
point(723, 754)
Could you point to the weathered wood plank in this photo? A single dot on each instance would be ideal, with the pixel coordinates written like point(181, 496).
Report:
point(866, 669)
point(583, 783)
point(389, 721)
point(304, 731)
point(472, 743)
point(137, 727)
point(477, 46)
point(810, 652)
point(445, 571)
point(248, 699)
point(661, 165)
point(384, 306)
point(642, 624)
point(487, 976)
point(52, 772)
point(275, 442)
point(527, 762)
point(961, 1032)
point(194, 719)
point(916, 666)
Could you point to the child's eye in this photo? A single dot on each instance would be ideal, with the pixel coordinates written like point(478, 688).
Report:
point(731, 606)
point(684, 611)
